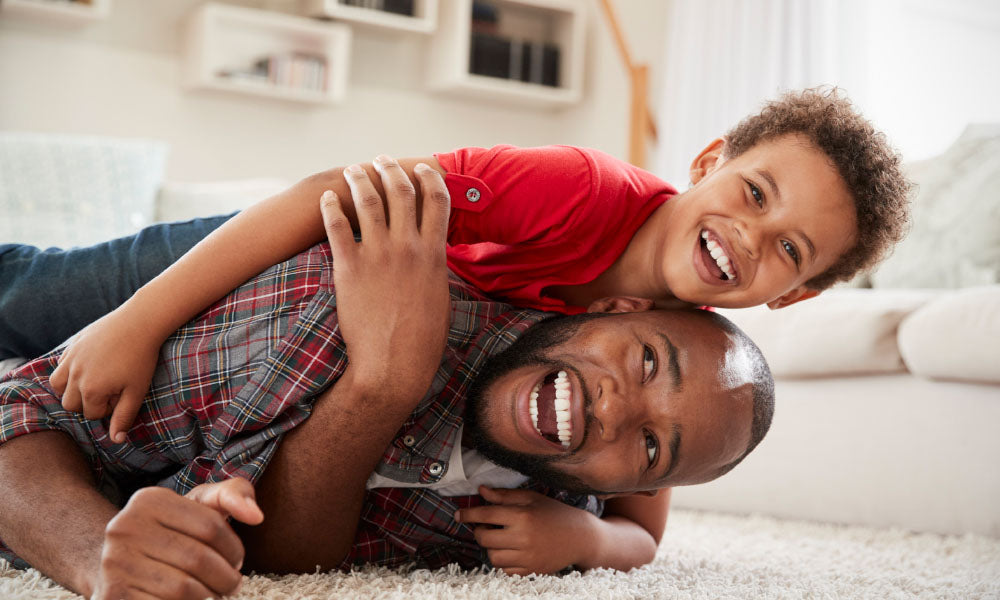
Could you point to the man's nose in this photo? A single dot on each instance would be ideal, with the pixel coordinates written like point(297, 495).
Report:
point(613, 410)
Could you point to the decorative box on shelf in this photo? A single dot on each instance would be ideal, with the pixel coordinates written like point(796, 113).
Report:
point(418, 16)
point(266, 53)
point(59, 11)
point(523, 51)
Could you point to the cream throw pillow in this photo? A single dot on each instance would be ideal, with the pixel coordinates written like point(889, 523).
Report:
point(956, 336)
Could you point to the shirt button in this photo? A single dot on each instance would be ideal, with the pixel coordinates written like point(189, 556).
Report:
point(472, 195)
point(409, 440)
point(435, 469)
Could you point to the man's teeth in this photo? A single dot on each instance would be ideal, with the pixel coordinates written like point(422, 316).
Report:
point(719, 256)
point(564, 423)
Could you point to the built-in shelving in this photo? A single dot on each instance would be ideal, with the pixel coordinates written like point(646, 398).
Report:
point(522, 51)
point(265, 53)
point(419, 16)
point(57, 11)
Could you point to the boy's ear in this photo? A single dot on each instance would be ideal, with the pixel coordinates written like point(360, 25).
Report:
point(797, 295)
point(707, 160)
point(620, 304)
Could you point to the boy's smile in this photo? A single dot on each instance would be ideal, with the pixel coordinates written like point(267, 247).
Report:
point(751, 231)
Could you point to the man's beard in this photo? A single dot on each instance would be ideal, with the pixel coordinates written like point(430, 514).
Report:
point(527, 350)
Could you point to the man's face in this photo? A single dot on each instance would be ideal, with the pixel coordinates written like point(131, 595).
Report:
point(754, 229)
point(655, 399)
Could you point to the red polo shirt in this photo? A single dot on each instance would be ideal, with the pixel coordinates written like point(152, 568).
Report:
point(524, 219)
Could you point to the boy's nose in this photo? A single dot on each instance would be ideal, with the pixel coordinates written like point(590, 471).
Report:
point(748, 238)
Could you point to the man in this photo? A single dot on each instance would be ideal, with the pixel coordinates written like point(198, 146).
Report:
point(623, 404)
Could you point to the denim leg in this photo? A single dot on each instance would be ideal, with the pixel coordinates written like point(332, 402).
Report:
point(48, 295)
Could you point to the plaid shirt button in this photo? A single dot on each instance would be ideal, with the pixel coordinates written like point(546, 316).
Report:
point(435, 469)
point(409, 440)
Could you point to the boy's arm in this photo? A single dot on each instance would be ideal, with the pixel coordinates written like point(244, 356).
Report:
point(526, 532)
point(111, 362)
point(393, 310)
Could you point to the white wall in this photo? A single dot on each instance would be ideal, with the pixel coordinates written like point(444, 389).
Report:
point(121, 77)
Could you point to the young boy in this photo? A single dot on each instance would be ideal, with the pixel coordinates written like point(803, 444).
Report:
point(802, 195)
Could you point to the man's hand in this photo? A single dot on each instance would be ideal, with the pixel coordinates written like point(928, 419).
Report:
point(163, 545)
point(108, 367)
point(530, 533)
point(392, 286)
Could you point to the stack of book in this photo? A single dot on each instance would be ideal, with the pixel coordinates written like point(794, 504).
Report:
point(496, 55)
point(399, 7)
point(293, 70)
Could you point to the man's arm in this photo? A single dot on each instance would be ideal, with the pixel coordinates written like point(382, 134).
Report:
point(393, 309)
point(161, 544)
point(111, 362)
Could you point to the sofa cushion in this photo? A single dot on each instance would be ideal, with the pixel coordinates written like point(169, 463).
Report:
point(67, 190)
point(841, 332)
point(954, 241)
point(956, 336)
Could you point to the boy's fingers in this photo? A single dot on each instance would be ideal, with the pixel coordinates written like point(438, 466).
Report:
point(96, 407)
point(493, 514)
point(367, 202)
point(507, 495)
point(437, 203)
point(338, 228)
point(123, 415)
point(400, 194)
point(59, 377)
point(495, 538)
point(504, 558)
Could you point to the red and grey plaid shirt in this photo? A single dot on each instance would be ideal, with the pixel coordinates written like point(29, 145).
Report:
point(234, 380)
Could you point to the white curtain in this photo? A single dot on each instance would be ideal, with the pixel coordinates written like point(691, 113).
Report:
point(725, 57)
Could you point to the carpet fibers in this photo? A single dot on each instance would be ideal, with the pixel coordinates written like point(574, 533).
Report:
point(703, 556)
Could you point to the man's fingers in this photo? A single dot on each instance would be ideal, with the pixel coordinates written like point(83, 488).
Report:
point(123, 415)
point(367, 202)
point(437, 203)
point(338, 228)
point(231, 498)
point(400, 194)
point(193, 565)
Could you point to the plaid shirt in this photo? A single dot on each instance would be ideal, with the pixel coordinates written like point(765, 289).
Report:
point(234, 380)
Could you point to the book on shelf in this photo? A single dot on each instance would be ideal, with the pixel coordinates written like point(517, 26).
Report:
point(520, 60)
point(399, 7)
point(294, 70)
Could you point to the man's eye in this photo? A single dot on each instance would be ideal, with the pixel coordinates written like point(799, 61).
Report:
point(652, 445)
point(790, 250)
point(648, 363)
point(757, 194)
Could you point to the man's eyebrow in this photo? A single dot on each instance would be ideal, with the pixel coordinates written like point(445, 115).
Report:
point(676, 382)
point(674, 444)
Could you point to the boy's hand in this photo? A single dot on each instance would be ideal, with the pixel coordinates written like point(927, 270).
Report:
point(107, 367)
point(534, 533)
point(393, 304)
point(165, 545)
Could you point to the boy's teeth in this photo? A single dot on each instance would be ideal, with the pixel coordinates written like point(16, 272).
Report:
point(715, 250)
point(564, 424)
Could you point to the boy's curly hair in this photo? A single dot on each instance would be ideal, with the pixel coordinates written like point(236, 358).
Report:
point(866, 161)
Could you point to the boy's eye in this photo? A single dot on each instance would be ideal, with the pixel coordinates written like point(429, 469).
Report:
point(648, 363)
point(652, 446)
point(790, 250)
point(757, 194)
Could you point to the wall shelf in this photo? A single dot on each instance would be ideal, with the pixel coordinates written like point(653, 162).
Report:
point(423, 20)
point(265, 53)
point(57, 11)
point(540, 57)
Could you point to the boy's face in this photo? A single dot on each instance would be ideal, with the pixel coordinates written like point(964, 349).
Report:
point(755, 228)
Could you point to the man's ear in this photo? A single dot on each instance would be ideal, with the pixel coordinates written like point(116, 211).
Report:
point(620, 304)
point(797, 295)
point(707, 160)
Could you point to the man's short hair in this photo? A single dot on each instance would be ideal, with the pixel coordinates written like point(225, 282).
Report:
point(863, 157)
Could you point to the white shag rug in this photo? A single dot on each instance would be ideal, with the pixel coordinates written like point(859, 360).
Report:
point(703, 556)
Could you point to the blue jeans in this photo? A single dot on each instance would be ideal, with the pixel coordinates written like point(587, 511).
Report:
point(48, 295)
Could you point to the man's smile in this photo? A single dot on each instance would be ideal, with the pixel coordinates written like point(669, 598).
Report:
point(714, 259)
point(549, 410)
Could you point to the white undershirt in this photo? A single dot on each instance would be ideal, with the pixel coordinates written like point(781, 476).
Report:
point(467, 470)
